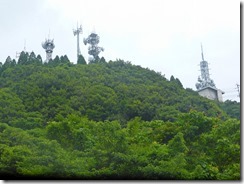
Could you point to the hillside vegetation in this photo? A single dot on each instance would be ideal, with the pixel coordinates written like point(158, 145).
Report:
point(111, 120)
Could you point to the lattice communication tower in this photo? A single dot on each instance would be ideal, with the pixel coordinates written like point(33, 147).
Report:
point(204, 81)
point(48, 45)
point(93, 49)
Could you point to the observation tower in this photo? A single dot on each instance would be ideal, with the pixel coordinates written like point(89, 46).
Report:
point(93, 49)
point(48, 45)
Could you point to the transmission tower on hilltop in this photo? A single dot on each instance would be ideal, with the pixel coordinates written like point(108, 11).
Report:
point(204, 80)
point(93, 49)
point(77, 32)
point(205, 85)
point(48, 45)
point(24, 50)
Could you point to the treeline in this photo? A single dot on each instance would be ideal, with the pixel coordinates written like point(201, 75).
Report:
point(26, 58)
point(104, 91)
point(111, 120)
point(194, 147)
point(232, 108)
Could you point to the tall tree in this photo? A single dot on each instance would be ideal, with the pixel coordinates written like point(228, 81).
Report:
point(64, 59)
point(55, 61)
point(81, 60)
point(102, 60)
point(39, 59)
point(8, 63)
point(32, 58)
point(23, 58)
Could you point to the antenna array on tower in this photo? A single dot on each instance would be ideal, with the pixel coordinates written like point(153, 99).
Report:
point(48, 45)
point(204, 80)
point(93, 49)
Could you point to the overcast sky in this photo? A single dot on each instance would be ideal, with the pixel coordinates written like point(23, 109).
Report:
point(163, 35)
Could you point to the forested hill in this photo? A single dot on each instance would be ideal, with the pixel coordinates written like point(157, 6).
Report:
point(110, 120)
point(105, 91)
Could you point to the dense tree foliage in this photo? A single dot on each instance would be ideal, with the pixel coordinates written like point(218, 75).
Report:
point(232, 108)
point(81, 60)
point(111, 120)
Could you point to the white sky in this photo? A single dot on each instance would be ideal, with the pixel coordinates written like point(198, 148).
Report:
point(162, 35)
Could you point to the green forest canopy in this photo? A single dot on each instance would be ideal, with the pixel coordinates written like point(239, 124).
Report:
point(111, 120)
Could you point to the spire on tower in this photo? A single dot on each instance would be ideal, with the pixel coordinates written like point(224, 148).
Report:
point(204, 80)
point(49, 34)
point(25, 46)
point(202, 52)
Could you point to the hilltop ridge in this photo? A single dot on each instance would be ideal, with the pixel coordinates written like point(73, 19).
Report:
point(110, 120)
point(114, 90)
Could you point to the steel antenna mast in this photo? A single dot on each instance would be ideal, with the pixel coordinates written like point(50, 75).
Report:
point(78, 31)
